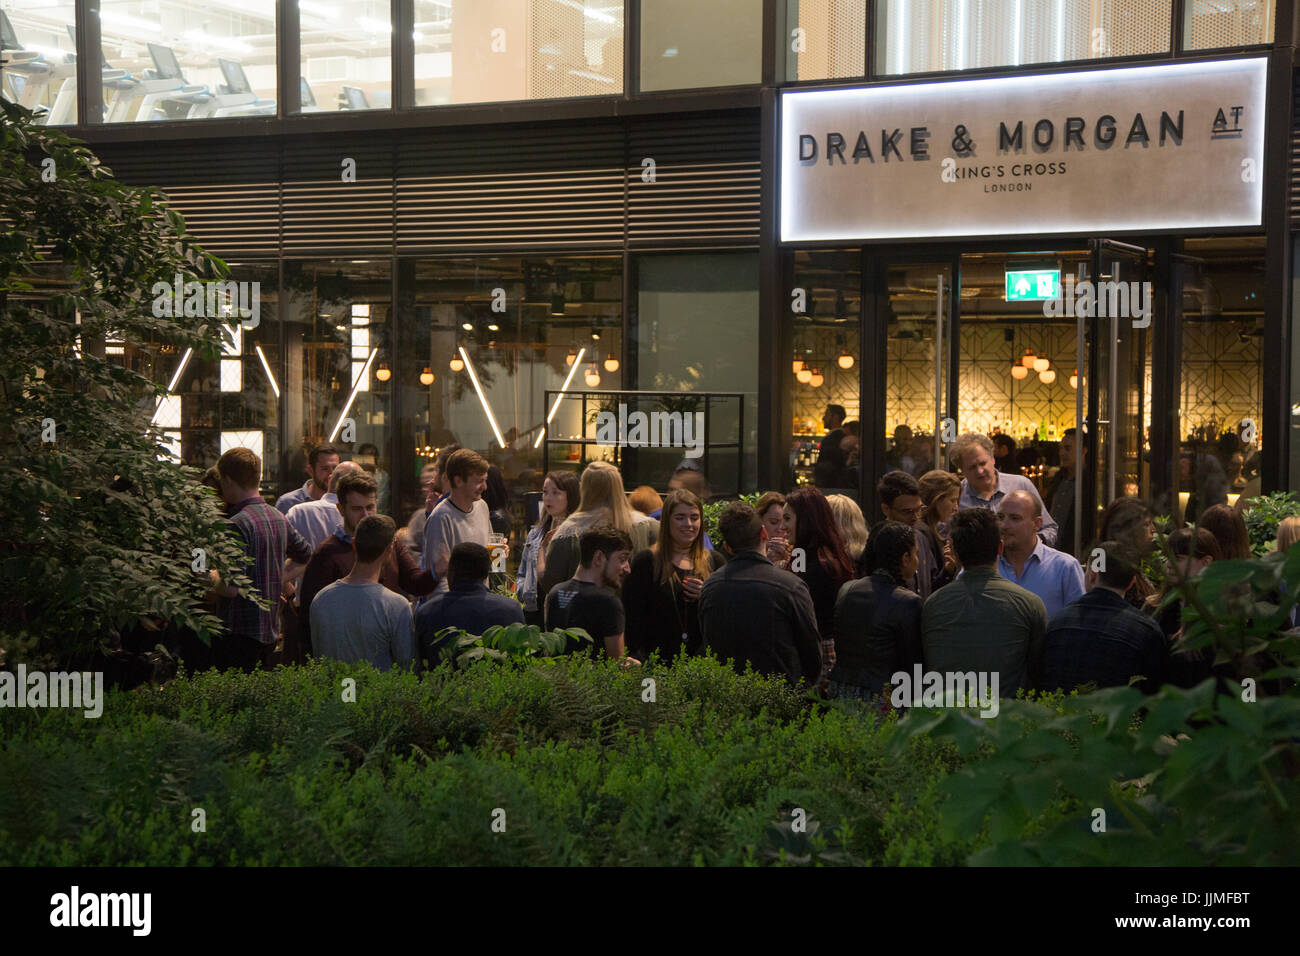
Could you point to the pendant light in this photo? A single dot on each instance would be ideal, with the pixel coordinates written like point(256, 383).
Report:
point(815, 380)
point(1019, 372)
point(796, 365)
point(593, 376)
point(1042, 364)
point(383, 373)
point(426, 377)
point(1027, 360)
point(611, 363)
point(804, 375)
point(1047, 376)
point(456, 364)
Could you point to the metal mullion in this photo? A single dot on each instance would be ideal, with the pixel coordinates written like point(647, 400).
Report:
point(288, 59)
point(403, 55)
point(631, 48)
point(90, 95)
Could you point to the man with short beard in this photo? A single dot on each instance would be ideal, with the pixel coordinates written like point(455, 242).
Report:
point(358, 496)
point(590, 599)
point(320, 465)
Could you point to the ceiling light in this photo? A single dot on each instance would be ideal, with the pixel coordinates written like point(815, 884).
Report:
point(845, 360)
point(1041, 364)
point(593, 376)
point(1019, 372)
point(383, 373)
point(804, 375)
point(611, 363)
point(571, 357)
point(493, 327)
point(815, 380)
point(456, 363)
point(426, 377)
point(1074, 379)
point(1048, 376)
point(467, 326)
point(796, 365)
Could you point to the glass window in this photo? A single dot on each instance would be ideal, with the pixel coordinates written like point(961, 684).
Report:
point(40, 58)
point(228, 402)
point(186, 59)
point(345, 54)
point(686, 44)
point(494, 50)
point(824, 373)
point(1211, 24)
point(915, 36)
point(337, 381)
point(825, 39)
point(697, 331)
point(484, 340)
point(1221, 382)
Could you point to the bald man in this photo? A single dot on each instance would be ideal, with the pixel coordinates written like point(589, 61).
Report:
point(1056, 577)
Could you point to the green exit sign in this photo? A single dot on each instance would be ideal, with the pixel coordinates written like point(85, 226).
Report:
point(1033, 285)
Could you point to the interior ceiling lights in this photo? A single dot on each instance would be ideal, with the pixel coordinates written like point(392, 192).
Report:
point(815, 380)
point(456, 363)
point(845, 360)
point(611, 363)
point(426, 377)
point(804, 375)
point(592, 377)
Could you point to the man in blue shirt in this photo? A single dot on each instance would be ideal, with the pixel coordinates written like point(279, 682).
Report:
point(468, 604)
point(983, 486)
point(1054, 576)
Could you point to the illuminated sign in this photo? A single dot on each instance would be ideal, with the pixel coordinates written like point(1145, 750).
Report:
point(1177, 146)
point(1033, 285)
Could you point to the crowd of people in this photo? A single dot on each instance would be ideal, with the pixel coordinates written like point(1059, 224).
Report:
point(959, 573)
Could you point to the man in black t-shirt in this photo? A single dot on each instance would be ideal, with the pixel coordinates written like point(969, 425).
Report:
point(589, 599)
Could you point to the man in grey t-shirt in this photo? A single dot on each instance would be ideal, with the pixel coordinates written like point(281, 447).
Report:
point(356, 618)
point(462, 516)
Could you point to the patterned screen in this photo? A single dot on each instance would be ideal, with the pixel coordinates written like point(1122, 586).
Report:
point(1212, 24)
point(826, 39)
point(919, 36)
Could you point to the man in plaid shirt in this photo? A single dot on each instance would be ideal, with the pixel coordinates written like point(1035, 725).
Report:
point(267, 539)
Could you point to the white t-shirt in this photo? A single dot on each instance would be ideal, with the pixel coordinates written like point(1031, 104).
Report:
point(447, 527)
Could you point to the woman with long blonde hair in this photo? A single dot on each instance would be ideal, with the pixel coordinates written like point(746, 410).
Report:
point(661, 594)
point(602, 499)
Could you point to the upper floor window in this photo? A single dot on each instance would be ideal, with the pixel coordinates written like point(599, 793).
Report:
point(496, 50)
point(687, 44)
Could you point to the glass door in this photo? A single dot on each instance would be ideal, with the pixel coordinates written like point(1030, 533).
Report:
point(915, 371)
point(1118, 323)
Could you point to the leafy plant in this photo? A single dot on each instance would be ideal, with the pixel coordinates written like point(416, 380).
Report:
point(1264, 514)
point(713, 509)
point(507, 642)
point(102, 534)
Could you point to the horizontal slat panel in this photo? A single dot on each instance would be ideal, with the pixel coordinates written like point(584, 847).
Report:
point(497, 188)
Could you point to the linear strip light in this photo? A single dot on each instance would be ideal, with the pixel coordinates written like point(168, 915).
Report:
point(171, 387)
point(558, 398)
point(356, 387)
point(482, 398)
point(267, 368)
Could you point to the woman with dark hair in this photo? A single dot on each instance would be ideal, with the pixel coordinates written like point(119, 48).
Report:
point(877, 619)
point(770, 508)
point(661, 594)
point(1229, 529)
point(559, 500)
point(1194, 550)
point(1128, 522)
point(820, 559)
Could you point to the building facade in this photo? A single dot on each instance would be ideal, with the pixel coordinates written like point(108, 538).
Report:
point(488, 222)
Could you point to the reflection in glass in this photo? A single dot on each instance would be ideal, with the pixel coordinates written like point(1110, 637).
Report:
point(345, 55)
point(187, 60)
point(337, 318)
point(40, 54)
point(497, 50)
point(686, 44)
point(827, 450)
